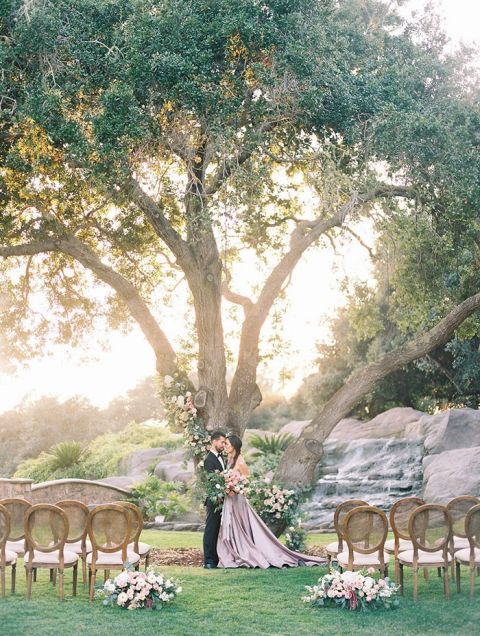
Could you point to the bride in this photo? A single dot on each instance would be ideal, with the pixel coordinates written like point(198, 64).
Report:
point(244, 539)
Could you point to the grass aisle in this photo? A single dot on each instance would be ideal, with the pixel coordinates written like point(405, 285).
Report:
point(250, 602)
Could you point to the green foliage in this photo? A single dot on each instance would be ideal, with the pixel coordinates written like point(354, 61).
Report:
point(157, 497)
point(296, 538)
point(270, 444)
point(101, 458)
point(66, 455)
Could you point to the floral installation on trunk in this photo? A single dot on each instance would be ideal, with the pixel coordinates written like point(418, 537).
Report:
point(278, 507)
point(182, 414)
point(355, 591)
point(139, 590)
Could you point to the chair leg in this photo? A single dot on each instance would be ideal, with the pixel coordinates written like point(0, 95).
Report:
point(54, 577)
point(14, 577)
point(397, 571)
point(147, 561)
point(84, 571)
point(457, 576)
point(34, 575)
point(29, 583)
point(51, 575)
point(400, 572)
point(75, 575)
point(439, 571)
point(425, 574)
point(2, 581)
point(472, 582)
point(105, 575)
point(93, 574)
point(446, 581)
point(415, 583)
point(61, 584)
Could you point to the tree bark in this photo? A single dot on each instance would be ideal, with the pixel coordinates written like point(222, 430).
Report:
point(298, 465)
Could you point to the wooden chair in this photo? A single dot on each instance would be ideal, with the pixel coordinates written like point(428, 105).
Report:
point(430, 530)
point(109, 530)
point(77, 514)
point(399, 516)
point(136, 520)
point(7, 557)
point(458, 509)
point(46, 531)
point(366, 529)
point(16, 540)
point(470, 556)
point(338, 521)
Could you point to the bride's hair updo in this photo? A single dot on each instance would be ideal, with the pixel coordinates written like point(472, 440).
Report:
point(236, 442)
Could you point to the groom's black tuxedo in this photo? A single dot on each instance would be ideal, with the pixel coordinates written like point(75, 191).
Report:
point(212, 522)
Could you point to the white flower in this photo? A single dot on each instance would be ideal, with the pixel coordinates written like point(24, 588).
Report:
point(167, 380)
point(349, 577)
point(180, 401)
point(122, 598)
point(122, 579)
point(109, 586)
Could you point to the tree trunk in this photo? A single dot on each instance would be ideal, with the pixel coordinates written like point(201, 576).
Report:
point(298, 465)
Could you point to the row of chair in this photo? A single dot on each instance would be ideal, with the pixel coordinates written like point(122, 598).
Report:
point(425, 536)
point(55, 537)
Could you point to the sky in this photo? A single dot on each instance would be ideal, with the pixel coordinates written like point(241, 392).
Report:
point(313, 297)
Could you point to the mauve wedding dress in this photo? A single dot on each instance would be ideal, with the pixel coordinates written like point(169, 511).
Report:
point(245, 541)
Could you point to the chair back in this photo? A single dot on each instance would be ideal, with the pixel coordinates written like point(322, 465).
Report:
point(472, 527)
point(366, 530)
point(458, 509)
point(400, 514)
point(136, 521)
point(430, 528)
point(77, 514)
point(341, 512)
point(17, 508)
point(46, 529)
point(109, 529)
point(4, 532)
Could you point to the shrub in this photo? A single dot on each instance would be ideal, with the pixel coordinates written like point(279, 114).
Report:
point(157, 497)
point(270, 444)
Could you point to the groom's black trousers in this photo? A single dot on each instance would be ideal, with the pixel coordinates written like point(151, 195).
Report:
point(210, 535)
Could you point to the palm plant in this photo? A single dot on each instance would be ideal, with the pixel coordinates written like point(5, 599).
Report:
point(65, 455)
point(270, 444)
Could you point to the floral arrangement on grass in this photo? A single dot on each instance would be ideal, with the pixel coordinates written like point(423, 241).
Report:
point(218, 485)
point(139, 590)
point(278, 507)
point(182, 415)
point(296, 537)
point(353, 591)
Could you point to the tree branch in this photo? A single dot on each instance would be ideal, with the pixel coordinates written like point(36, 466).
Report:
point(70, 245)
point(301, 458)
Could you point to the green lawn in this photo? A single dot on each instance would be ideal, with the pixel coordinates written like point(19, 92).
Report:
point(224, 602)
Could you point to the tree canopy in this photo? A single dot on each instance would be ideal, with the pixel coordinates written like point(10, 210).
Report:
point(133, 134)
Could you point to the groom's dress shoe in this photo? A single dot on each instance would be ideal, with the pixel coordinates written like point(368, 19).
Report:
point(210, 566)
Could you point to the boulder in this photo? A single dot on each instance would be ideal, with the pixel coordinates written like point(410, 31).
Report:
point(172, 468)
point(123, 481)
point(454, 428)
point(141, 460)
point(295, 427)
point(451, 474)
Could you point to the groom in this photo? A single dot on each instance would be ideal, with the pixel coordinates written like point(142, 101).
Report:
point(213, 461)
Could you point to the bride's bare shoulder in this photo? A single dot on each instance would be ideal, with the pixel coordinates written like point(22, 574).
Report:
point(242, 466)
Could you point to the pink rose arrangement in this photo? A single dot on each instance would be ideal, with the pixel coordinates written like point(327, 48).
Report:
point(219, 484)
point(353, 591)
point(139, 590)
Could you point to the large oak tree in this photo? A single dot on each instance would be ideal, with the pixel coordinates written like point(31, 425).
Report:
point(132, 131)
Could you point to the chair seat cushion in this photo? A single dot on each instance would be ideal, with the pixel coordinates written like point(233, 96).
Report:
point(77, 546)
point(10, 557)
point(143, 548)
point(113, 558)
point(459, 543)
point(464, 556)
point(16, 546)
point(424, 558)
point(361, 559)
point(332, 547)
point(403, 544)
point(51, 558)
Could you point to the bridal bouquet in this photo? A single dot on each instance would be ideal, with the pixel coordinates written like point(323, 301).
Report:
point(353, 591)
point(220, 484)
point(139, 590)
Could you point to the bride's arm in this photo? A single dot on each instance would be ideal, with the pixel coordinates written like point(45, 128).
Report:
point(242, 467)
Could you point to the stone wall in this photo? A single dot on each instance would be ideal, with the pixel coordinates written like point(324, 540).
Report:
point(89, 492)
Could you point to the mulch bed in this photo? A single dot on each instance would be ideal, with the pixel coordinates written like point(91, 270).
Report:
point(193, 557)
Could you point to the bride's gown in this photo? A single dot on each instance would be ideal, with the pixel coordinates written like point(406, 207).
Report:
point(245, 541)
